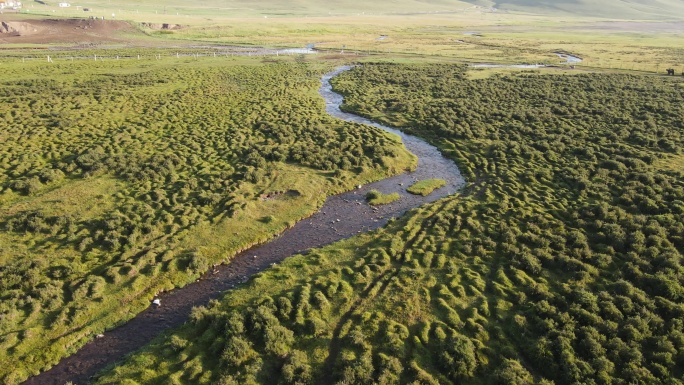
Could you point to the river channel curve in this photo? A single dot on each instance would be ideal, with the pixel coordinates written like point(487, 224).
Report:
point(342, 216)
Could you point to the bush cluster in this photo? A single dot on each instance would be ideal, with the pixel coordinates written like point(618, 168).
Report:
point(560, 263)
point(182, 142)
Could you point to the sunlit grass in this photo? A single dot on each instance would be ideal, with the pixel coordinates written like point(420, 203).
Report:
point(670, 162)
point(426, 187)
point(84, 248)
point(376, 198)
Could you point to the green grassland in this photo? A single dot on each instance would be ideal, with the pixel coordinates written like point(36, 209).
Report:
point(561, 262)
point(118, 177)
point(426, 187)
point(375, 198)
point(519, 32)
point(502, 38)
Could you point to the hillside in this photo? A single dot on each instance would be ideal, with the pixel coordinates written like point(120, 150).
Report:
point(211, 9)
point(612, 9)
point(258, 8)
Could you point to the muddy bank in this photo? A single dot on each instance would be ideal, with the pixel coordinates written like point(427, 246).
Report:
point(69, 31)
point(342, 216)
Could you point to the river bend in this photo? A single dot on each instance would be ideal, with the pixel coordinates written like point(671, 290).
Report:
point(341, 217)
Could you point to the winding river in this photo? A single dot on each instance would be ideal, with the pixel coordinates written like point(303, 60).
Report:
point(342, 216)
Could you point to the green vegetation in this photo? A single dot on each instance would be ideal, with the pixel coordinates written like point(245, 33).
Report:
point(426, 187)
point(516, 31)
point(120, 179)
point(375, 197)
point(561, 262)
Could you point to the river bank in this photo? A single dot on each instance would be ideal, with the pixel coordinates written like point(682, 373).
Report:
point(342, 216)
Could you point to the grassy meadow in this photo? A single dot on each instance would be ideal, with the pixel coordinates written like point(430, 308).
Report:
point(426, 187)
point(118, 178)
point(609, 35)
point(375, 198)
point(560, 263)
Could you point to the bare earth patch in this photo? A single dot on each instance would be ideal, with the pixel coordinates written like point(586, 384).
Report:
point(63, 31)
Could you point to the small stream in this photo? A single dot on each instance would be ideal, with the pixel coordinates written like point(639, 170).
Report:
point(569, 59)
point(342, 216)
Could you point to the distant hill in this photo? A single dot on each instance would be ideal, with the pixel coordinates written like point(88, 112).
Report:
point(258, 7)
point(618, 9)
point(133, 9)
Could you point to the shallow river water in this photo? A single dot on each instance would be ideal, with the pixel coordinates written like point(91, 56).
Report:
point(341, 217)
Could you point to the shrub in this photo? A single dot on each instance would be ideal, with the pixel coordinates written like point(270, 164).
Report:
point(513, 373)
point(277, 340)
point(237, 352)
point(296, 369)
point(457, 357)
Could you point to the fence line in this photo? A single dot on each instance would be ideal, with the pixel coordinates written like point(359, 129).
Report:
point(158, 56)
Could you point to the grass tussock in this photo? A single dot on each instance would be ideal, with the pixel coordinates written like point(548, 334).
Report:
point(426, 187)
point(375, 198)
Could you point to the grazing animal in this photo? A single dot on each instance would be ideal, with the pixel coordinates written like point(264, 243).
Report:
point(670, 71)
